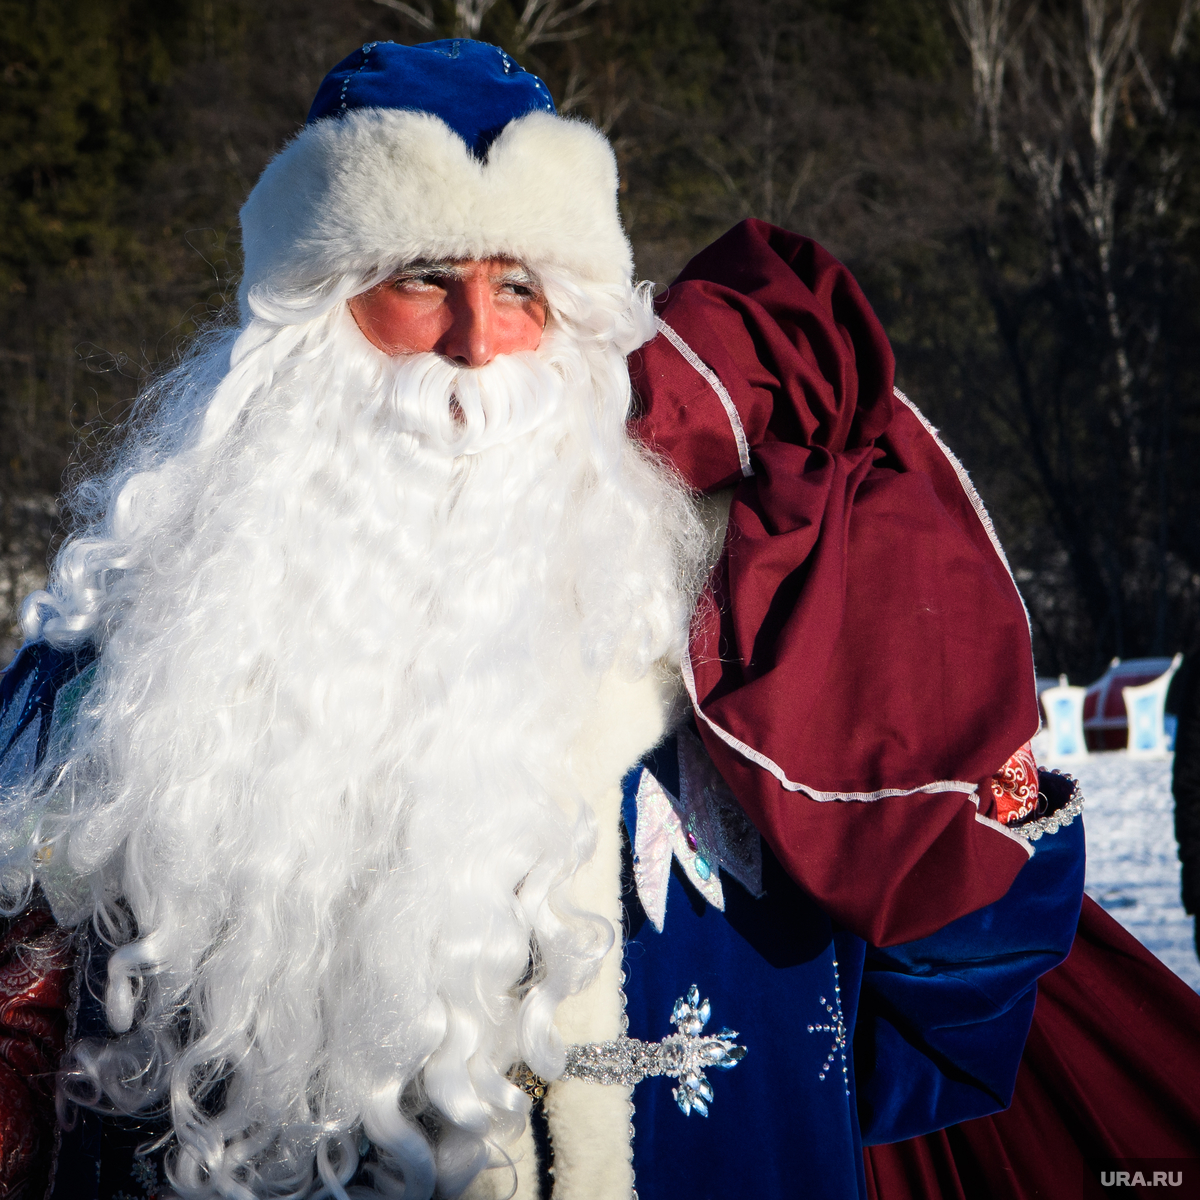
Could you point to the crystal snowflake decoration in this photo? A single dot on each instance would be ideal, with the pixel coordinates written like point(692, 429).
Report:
point(697, 1053)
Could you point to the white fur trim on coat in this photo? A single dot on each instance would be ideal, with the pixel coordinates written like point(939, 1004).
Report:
point(590, 1123)
point(381, 187)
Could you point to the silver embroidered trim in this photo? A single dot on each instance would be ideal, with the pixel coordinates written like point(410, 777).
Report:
point(684, 1055)
point(710, 377)
point(963, 478)
point(1057, 820)
point(789, 785)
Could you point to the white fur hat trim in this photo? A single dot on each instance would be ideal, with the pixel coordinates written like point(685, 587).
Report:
point(379, 187)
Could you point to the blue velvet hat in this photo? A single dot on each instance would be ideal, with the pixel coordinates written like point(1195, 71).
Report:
point(475, 88)
point(447, 150)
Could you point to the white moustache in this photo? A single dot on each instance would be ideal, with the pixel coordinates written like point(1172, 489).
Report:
point(465, 410)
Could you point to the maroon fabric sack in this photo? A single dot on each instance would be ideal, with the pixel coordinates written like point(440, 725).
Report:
point(863, 660)
point(1111, 1071)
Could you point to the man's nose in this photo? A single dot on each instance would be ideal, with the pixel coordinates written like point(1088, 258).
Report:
point(471, 338)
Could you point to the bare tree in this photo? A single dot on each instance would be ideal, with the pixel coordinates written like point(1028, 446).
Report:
point(422, 17)
point(1100, 74)
point(545, 21)
point(469, 15)
point(984, 25)
point(761, 143)
point(1078, 81)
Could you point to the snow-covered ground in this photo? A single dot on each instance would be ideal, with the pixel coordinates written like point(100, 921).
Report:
point(1132, 863)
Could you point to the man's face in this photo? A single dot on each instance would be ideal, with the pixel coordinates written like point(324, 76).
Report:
point(468, 311)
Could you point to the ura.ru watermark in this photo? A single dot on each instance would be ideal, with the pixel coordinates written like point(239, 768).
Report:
point(1175, 1177)
point(1141, 1179)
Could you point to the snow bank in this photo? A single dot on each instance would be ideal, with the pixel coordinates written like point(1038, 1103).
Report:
point(1132, 859)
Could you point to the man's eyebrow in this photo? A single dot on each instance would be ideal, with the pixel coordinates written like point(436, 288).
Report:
point(520, 274)
point(448, 268)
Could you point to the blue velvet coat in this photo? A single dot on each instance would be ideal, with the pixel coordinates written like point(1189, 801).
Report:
point(846, 1044)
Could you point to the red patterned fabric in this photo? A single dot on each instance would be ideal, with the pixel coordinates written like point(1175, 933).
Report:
point(1111, 1071)
point(35, 970)
point(1015, 787)
point(866, 642)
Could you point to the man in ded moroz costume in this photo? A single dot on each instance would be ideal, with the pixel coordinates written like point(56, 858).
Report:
point(495, 734)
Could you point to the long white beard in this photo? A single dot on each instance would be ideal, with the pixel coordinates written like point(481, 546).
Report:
point(321, 785)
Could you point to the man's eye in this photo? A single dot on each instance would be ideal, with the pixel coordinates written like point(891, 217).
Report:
point(520, 289)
